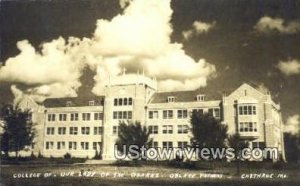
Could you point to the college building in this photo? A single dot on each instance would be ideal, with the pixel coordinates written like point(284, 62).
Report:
point(83, 126)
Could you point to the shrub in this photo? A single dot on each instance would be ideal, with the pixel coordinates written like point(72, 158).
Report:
point(40, 155)
point(122, 163)
point(32, 156)
point(67, 156)
point(278, 165)
point(97, 155)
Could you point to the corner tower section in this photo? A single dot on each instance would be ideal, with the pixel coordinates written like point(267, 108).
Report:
point(126, 97)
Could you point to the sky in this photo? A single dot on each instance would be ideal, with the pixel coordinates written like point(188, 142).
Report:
point(59, 48)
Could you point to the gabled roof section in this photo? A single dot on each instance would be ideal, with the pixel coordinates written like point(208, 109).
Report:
point(249, 85)
point(185, 96)
point(73, 101)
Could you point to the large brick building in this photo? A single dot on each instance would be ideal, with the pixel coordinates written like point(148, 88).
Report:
point(83, 125)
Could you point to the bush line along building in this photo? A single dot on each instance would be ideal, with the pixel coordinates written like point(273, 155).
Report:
point(83, 125)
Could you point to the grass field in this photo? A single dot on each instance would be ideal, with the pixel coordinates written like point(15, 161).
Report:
point(219, 173)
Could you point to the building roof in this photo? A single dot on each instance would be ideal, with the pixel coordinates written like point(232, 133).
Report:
point(186, 96)
point(73, 101)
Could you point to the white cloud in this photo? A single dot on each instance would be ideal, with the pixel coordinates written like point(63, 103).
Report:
point(267, 24)
point(138, 39)
point(291, 67)
point(18, 94)
point(198, 28)
point(292, 124)
point(124, 3)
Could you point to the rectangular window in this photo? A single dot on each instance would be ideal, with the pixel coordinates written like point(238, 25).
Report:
point(85, 130)
point(49, 145)
point(247, 110)
point(115, 130)
point(98, 130)
point(115, 115)
point(86, 116)
point(254, 110)
point(50, 130)
point(211, 112)
point(153, 129)
point(125, 114)
point(115, 102)
point(250, 110)
point(120, 102)
point(181, 114)
point(60, 145)
point(167, 144)
point(129, 101)
point(69, 103)
point(167, 129)
point(74, 117)
point(200, 97)
point(182, 129)
point(240, 110)
point(167, 114)
point(62, 117)
point(171, 99)
point(125, 101)
point(120, 115)
point(248, 127)
point(182, 144)
point(91, 103)
point(72, 145)
point(129, 114)
point(96, 145)
point(73, 130)
point(150, 113)
point(216, 112)
point(61, 130)
point(254, 127)
point(84, 145)
point(241, 127)
point(154, 144)
point(51, 117)
point(98, 116)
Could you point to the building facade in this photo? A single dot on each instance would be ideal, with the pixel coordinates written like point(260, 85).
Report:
point(89, 125)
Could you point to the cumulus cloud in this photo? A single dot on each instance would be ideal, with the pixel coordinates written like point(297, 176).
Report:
point(267, 24)
point(138, 39)
point(198, 27)
point(292, 124)
point(290, 67)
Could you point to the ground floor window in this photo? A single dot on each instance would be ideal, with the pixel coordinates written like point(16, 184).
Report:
point(167, 144)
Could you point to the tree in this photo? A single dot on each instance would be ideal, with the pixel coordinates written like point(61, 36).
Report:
point(292, 144)
point(238, 144)
point(207, 131)
point(132, 134)
point(18, 129)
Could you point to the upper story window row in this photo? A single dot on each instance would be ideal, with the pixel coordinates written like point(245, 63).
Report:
point(200, 97)
point(122, 101)
point(122, 115)
point(75, 116)
point(88, 103)
point(247, 110)
point(182, 113)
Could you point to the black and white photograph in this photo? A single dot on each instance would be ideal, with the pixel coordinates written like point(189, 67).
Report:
point(150, 92)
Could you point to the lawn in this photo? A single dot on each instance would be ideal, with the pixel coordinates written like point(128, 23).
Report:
point(218, 173)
